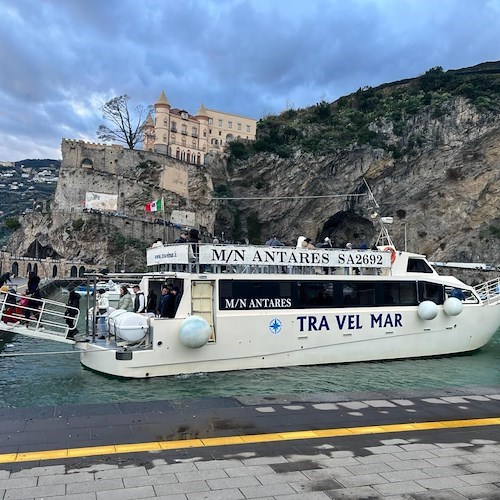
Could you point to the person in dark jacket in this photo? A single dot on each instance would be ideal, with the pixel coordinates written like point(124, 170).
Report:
point(164, 303)
point(34, 293)
point(177, 300)
point(194, 239)
point(151, 302)
point(4, 278)
point(183, 238)
point(70, 313)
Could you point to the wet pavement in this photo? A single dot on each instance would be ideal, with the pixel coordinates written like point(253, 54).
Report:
point(437, 443)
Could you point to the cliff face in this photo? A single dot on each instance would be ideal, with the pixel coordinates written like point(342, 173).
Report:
point(446, 195)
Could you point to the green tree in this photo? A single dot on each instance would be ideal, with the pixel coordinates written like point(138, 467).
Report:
point(12, 223)
point(127, 128)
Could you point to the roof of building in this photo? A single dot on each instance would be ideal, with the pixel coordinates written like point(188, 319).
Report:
point(162, 99)
point(201, 111)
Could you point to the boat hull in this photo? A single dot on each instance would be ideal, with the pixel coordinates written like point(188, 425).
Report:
point(324, 337)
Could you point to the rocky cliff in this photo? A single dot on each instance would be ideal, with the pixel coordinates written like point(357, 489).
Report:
point(445, 195)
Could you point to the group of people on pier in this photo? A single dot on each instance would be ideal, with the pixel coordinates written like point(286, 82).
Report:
point(24, 307)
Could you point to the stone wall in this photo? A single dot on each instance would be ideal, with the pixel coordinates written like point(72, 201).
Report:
point(21, 266)
point(138, 177)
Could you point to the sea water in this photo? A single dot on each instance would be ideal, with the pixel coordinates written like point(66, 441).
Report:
point(46, 373)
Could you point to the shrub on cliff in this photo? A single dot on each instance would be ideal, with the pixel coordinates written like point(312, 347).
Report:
point(12, 223)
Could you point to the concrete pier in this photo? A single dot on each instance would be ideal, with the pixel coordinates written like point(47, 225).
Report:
point(441, 444)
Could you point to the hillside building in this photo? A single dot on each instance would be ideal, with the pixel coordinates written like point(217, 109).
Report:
point(189, 138)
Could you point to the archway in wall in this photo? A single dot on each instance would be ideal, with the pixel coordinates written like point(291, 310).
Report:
point(35, 269)
point(15, 268)
point(54, 271)
point(198, 160)
point(87, 162)
point(28, 268)
point(81, 271)
point(229, 137)
point(73, 272)
point(178, 153)
point(188, 157)
point(348, 227)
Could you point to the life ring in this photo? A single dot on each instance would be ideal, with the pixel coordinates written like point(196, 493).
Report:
point(393, 253)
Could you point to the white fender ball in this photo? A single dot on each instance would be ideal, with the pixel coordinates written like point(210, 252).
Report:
point(194, 332)
point(453, 306)
point(427, 309)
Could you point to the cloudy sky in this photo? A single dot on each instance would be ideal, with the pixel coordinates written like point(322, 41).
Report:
point(61, 59)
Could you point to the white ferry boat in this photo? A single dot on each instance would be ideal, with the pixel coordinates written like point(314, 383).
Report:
point(246, 307)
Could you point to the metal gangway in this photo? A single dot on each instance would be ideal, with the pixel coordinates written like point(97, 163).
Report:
point(40, 318)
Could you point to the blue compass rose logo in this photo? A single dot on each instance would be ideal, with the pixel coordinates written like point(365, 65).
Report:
point(275, 326)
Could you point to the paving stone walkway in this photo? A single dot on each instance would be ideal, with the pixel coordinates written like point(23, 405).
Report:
point(392, 468)
point(440, 464)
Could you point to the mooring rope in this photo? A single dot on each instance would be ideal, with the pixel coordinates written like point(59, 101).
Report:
point(78, 351)
point(14, 354)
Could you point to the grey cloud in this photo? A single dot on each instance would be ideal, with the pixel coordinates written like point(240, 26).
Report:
point(244, 56)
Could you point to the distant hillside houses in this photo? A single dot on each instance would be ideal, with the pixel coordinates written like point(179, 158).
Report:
point(188, 137)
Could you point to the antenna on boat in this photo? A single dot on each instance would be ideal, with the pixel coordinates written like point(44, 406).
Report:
point(384, 238)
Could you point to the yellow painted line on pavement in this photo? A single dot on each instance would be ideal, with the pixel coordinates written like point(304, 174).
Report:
point(29, 456)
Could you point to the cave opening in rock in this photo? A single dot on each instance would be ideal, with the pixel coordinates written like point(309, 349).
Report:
point(348, 227)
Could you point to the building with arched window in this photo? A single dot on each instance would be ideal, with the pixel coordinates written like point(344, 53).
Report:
point(188, 137)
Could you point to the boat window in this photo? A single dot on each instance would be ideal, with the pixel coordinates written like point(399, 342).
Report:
point(315, 294)
point(402, 293)
point(460, 293)
point(358, 294)
point(418, 266)
point(430, 291)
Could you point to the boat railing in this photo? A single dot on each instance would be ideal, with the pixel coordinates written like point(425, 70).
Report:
point(39, 318)
point(254, 259)
point(489, 291)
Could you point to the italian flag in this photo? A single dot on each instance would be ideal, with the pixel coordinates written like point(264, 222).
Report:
point(154, 206)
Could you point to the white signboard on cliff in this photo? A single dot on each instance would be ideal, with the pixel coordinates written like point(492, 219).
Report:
point(101, 201)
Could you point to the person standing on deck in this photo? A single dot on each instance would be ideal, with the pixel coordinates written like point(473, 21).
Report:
point(139, 300)
point(274, 242)
point(164, 302)
point(183, 238)
point(308, 244)
point(125, 300)
point(327, 243)
point(177, 299)
point(151, 302)
point(102, 307)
